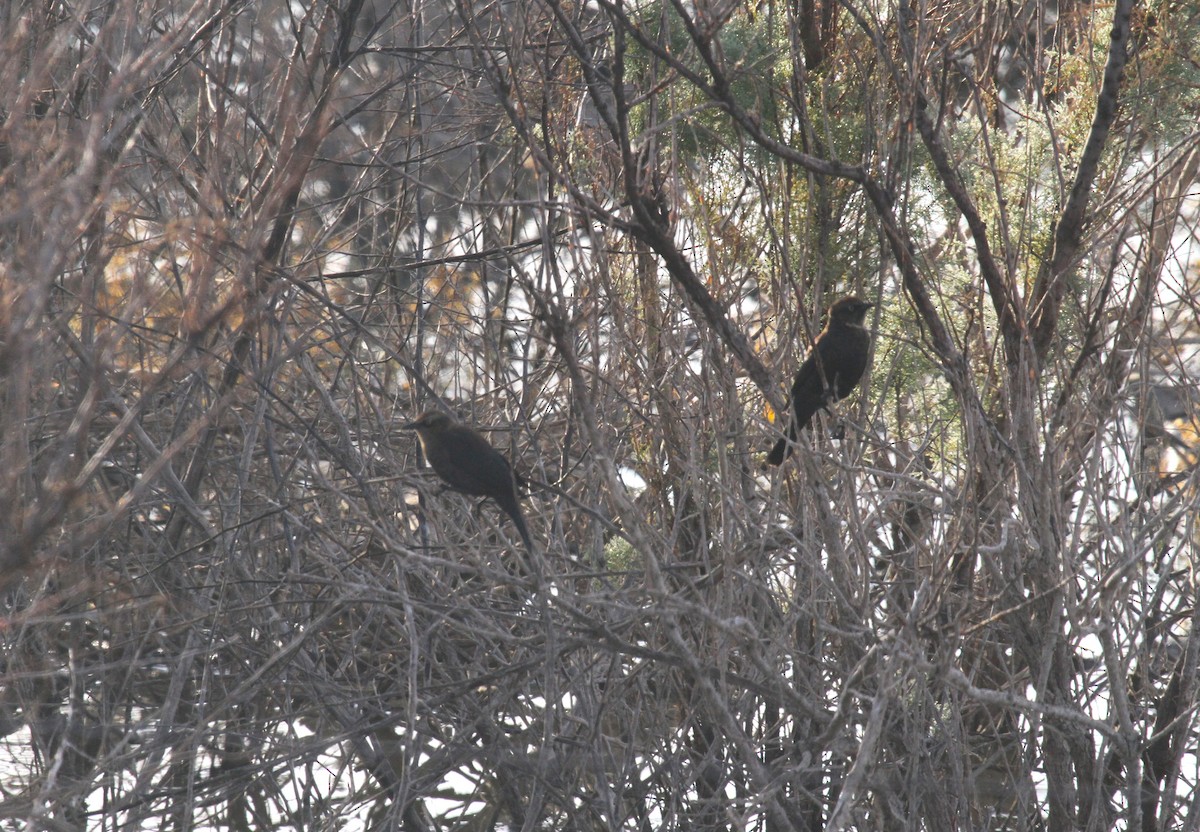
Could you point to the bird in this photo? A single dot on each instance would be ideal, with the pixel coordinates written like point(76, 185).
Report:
point(466, 462)
point(831, 371)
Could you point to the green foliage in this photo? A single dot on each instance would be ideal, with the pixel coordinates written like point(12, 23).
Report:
point(620, 556)
point(755, 53)
point(1165, 75)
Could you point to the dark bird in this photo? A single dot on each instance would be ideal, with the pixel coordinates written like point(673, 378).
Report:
point(832, 369)
point(466, 462)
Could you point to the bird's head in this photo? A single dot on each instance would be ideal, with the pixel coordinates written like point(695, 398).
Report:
point(850, 310)
point(432, 421)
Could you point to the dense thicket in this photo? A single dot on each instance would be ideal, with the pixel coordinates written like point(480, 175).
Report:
point(241, 244)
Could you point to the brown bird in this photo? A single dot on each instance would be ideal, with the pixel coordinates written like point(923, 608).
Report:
point(466, 462)
point(832, 369)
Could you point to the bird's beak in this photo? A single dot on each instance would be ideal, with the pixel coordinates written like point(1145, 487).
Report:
point(410, 426)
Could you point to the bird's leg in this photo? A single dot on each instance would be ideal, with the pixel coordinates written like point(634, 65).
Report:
point(829, 405)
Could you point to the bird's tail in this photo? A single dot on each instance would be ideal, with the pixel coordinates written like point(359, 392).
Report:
point(783, 448)
point(523, 530)
point(513, 510)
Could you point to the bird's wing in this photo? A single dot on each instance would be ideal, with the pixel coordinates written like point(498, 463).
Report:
point(808, 390)
point(474, 466)
point(808, 377)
